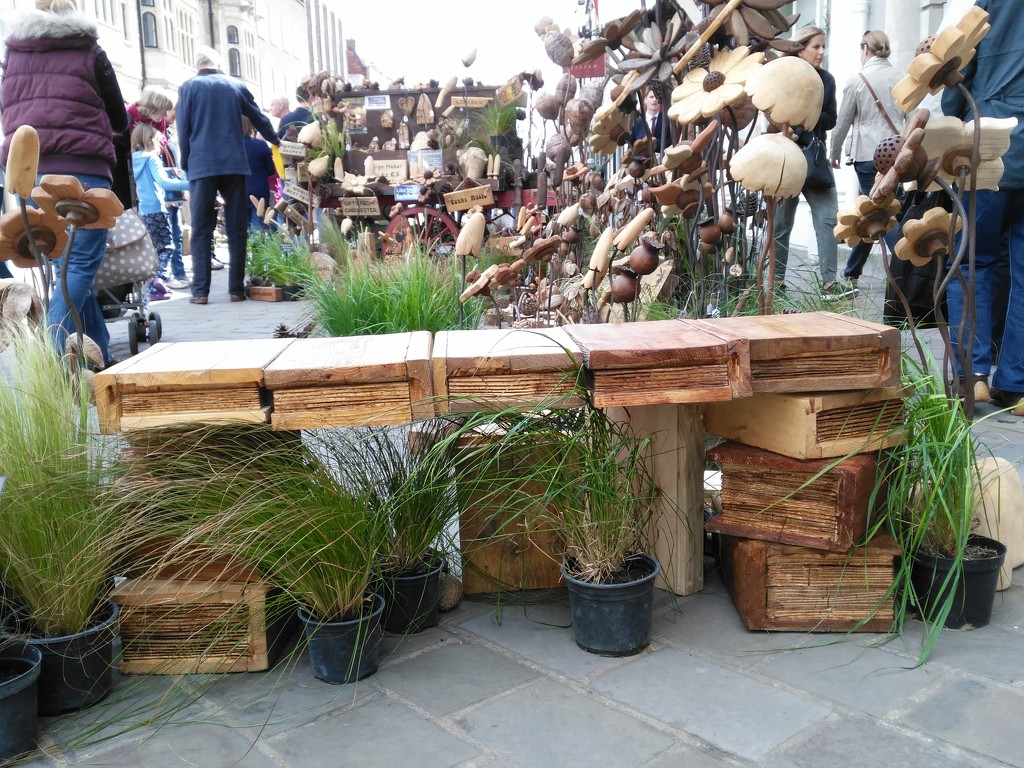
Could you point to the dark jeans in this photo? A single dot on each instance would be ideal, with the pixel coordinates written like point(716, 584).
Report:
point(859, 255)
point(203, 205)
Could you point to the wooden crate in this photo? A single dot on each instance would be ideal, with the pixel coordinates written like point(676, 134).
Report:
point(788, 588)
point(821, 504)
point(351, 381)
point(265, 292)
point(176, 627)
point(814, 351)
point(661, 362)
point(506, 368)
point(813, 425)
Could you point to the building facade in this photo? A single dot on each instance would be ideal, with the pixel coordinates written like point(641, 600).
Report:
point(269, 44)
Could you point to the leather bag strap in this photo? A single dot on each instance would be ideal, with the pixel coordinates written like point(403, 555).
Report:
point(878, 104)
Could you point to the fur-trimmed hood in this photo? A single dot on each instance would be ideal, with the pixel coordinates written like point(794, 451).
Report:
point(43, 24)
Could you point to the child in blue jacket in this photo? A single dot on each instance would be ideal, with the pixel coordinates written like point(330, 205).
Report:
point(152, 180)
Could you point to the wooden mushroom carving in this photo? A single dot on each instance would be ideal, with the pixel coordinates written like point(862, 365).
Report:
point(772, 164)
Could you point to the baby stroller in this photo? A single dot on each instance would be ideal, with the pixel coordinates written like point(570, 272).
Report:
point(121, 282)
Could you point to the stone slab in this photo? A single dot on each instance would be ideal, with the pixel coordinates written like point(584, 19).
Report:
point(551, 725)
point(728, 710)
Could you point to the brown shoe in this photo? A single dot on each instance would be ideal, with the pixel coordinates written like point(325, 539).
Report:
point(198, 300)
point(237, 297)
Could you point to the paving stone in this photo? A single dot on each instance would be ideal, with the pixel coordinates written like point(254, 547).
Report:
point(452, 677)
point(394, 648)
point(729, 710)
point(551, 725)
point(862, 678)
point(688, 758)
point(856, 741)
point(542, 634)
point(976, 715)
point(382, 733)
point(990, 651)
point(199, 744)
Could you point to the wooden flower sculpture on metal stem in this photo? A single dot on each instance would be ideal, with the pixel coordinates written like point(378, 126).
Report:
point(770, 163)
point(46, 230)
point(868, 221)
point(939, 59)
point(756, 18)
point(926, 238)
point(952, 141)
point(651, 52)
point(64, 196)
point(706, 92)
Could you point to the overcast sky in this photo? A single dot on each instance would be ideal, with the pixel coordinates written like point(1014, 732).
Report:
point(423, 40)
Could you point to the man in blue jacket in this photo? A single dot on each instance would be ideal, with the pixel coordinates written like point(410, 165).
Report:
point(995, 78)
point(210, 108)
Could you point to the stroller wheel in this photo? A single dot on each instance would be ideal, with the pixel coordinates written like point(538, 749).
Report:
point(136, 331)
point(156, 328)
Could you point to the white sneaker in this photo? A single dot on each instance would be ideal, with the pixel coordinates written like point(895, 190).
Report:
point(177, 283)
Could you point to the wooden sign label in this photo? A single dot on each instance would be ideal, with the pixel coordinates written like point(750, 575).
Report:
point(464, 199)
point(469, 102)
point(510, 91)
point(292, 149)
point(405, 193)
point(360, 206)
point(299, 193)
point(393, 170)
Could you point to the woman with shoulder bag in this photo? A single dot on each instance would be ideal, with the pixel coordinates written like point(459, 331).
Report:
point(869, 114)
point(822, 199)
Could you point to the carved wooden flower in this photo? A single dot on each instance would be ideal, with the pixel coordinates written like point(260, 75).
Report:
point(612, 37)
point(49, 232)
point(65, 197)
point(772, 164)
point(608, 130)
point(706, 92)
point(788, 90)
point(939, 59)
point(867, 221)
point(952, 140)
point(900, 159)
point(926, 238)
point(761, 19)
point(651, 52)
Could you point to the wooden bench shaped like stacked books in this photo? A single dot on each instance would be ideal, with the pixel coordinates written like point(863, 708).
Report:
point(658, 374)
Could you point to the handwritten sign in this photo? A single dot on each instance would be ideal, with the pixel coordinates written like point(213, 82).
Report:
point(360, 206)
point(299, 193)
point(405, 193)
point(593, 68)
point(469, 102)
point(292, 149)
point(392, 170)
point(510, 91)
point(464, 199)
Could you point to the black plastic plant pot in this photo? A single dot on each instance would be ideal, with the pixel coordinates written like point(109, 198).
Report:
point(344, 651)
point(614, 619)
point(77, 670)
point(412, 598)
point(19, 685)
point(973, 593)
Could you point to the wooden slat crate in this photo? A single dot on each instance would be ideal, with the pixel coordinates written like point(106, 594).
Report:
point(814, 351)
point(788, 588)
point(351, 381)
point(661, 362)
point(813, 425)
point(186, 383)
point(821, 504)
point(507, 368)
point(175, 627)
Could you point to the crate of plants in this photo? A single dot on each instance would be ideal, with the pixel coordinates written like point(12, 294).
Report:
point(277, 270)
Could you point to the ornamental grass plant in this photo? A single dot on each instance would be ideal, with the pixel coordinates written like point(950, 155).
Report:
point(60, 534)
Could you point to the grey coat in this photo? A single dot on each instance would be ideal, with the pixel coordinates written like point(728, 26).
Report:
point(860, 113)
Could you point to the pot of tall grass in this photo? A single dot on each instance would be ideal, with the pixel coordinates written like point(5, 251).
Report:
point(19, 697)
point(589, 481)
point(59, 533)
point(410, 481)
point(948, 575)
point(282, 508)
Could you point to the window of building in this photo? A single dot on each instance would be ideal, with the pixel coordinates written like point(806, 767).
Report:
point(234, 62)
point(233, 35)
point(149, 30)
point(149, 3)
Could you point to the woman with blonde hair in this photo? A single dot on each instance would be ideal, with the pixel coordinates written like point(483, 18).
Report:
point(823, 202)
point(58, 80)
point(869, 114)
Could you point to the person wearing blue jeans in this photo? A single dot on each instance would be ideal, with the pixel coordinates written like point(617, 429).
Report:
point(995, 79)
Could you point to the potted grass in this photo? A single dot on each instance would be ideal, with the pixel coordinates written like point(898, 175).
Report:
point(948, 574)
point(19, 698)
point(277, 272)
point(59, 533)
point(282, 508)
point(590, 483)
point(410, 482)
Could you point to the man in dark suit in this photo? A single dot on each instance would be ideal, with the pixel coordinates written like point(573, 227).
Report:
point(650, 119)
